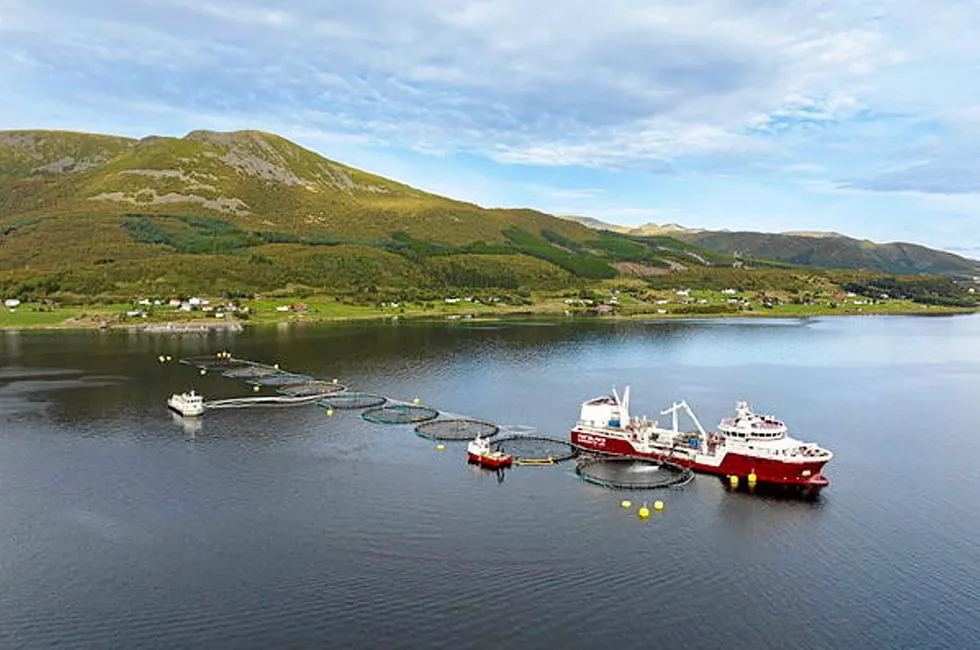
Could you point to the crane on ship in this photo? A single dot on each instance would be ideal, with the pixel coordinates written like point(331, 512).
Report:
point(673, 410)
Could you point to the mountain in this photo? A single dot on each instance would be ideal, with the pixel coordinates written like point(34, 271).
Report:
point(647, 229)
point(829, 250)
point(247, 210)
point(810, 248)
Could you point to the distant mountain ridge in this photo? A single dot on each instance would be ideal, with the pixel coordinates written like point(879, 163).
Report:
point(811, 248)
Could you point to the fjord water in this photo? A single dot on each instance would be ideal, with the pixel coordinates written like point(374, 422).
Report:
point(286, 528)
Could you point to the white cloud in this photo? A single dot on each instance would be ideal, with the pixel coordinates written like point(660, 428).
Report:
point(534, 77)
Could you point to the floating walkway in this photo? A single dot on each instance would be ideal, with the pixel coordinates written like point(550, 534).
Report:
point(262, 400)
point(526, 447)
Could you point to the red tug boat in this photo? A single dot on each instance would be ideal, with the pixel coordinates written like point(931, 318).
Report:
point(479, 451)
point(748, 446)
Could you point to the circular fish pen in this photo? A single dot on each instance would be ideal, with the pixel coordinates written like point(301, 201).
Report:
point(400, 414)
point(249, 372)
point(630, 473)
point(535, 450)
point(311, 388)
point(456, 429)
point(351, 401)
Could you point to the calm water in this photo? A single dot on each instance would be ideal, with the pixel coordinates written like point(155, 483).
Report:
point(285, 528)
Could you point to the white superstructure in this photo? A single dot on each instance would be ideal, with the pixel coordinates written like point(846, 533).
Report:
point(186, 404)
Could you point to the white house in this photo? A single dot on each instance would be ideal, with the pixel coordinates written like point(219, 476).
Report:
point(12, 302)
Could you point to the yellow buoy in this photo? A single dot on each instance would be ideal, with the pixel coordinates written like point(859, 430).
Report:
point(733, 480)
point(276, 366)
point(169, 358)
point(626, 504)
point(643, 512)
point(335, 380)
point(255, 389)
point(203, 371)
point(440, 447)
point(329, 411)
point(416, 400)
point(753, 478)
point(658, 505)
point(161, 358)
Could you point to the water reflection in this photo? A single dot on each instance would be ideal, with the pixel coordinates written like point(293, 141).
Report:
point(499, 473)
point(191, 426)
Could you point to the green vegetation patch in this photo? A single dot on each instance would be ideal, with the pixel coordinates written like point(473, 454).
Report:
point(925, 290)
point(189, 234)
point(417, 249)
point(197, 235)
point(10, 226)
point(495, 271)
point(579, 265)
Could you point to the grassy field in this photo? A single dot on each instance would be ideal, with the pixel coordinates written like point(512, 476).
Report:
point(31, 315)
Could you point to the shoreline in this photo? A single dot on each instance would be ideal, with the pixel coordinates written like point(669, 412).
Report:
point(204, 326)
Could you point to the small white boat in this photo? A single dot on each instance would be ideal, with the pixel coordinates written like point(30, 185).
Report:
point(186, 404)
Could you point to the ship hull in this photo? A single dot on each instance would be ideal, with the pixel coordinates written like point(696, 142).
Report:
point(489, 461)
point(804, 474)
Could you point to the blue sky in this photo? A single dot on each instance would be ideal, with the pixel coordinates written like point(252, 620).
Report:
point(861, 117)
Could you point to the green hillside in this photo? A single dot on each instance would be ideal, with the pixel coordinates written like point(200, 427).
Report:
point(250, 211)
point(837, 251)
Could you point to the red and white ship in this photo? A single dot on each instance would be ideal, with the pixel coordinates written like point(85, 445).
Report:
point(749, 446)
point(479, 451)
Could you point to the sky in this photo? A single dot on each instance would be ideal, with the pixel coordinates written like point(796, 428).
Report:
point(856, 116)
